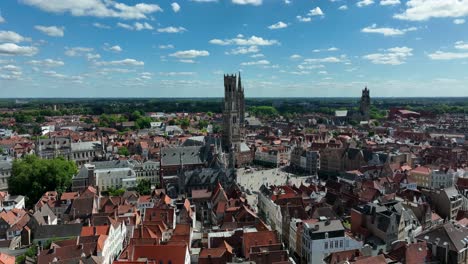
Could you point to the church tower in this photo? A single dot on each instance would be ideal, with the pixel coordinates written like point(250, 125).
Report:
point(364, 107)
point(233, 115)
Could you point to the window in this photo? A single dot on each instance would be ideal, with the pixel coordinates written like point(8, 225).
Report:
point(331, 244)
point(326, 245)
point(336, 243)
point(341, 243)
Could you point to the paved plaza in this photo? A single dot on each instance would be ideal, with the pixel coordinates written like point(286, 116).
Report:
point(252, 179)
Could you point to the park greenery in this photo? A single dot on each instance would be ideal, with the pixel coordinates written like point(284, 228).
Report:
point(144, 187)
point(33, 176)
point(263, 111)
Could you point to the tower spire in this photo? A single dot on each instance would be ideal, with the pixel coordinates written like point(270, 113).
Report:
point(239, 85)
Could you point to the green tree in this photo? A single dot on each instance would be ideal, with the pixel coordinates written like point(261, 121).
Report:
point(263, 111)
point(123, 151)
point(135, 115)
point(144, 187)
point(115, 192)
point(202, 124)
point(40, 119)
point(32, 176)
point(185, 123)
point(217, 128)
point(143, 122)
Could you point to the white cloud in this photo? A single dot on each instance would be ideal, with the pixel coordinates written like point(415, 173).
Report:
point(52, 31)
point(363, 3)
point(295, 57)
point(92, 56)
point(47, 63)
point(241, 41)
point(136, 26)
point(187, 61)
point(343, 7)
point(247, 2)
point(190, 54)
point(333, 49)
point(392, 56)
point(287, 2)
point(278, 25)
point(419, 10)
point(95, 8)
point(168, 46)
point(300, 72)
point(125, 62)
point(440, 55)
point(115, 48)
point(461, 45)
point(244, 50)
point(459, 21)
point(258, 55)
point(99, 25)
point(316, 12)
point(10, 36)
point(176, 73)
point(175, 7)
point(10, 72)
point(386, 31)
point(126, 26)
point(77, 51)
point(10, 67)
point(303, 19)
point(204, 1)
point(172, 29)
point(307, 66)
point(389, 2)
point(141, 26)
point(251, 63)
point(13, 49)
point(323, 60)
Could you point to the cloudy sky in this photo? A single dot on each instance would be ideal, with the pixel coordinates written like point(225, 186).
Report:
point(284, 48)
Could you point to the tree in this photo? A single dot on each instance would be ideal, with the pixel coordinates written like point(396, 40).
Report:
point(263, 111)
point(135, 115)
point(185, 123)
point(144, 187)
point(123, 151)
point(115, 192)
point(217, 128)
point(143, 122)
point(202, 124)
point(40, 119)
point(33, 176)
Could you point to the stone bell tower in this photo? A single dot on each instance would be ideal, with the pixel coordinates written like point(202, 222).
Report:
point(364, 107)
point(233, 115)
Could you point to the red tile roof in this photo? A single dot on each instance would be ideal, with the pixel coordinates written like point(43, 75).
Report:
point(258, 239)
point(159, 253)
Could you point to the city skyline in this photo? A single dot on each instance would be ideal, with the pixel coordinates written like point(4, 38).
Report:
point(287, 48)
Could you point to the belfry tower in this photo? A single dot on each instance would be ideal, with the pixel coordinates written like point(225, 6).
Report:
point(364, 107)
point(233, 115)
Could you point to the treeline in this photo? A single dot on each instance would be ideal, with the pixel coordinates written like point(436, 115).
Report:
point(36, 110)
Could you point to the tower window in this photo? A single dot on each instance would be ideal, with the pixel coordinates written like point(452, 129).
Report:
point(234, 119)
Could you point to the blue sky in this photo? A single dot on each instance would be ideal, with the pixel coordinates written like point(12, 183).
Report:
point(284, 48)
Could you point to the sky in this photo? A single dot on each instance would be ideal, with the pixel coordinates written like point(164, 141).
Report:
point(283, 48)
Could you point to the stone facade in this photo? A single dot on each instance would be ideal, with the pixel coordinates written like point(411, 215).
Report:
point(233, 116)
